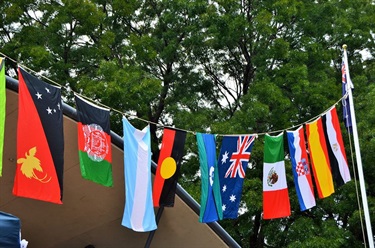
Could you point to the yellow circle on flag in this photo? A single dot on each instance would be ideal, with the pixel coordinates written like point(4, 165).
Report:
point(168, 168)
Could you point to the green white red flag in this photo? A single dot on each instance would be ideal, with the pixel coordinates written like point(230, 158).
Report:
point(275, 190)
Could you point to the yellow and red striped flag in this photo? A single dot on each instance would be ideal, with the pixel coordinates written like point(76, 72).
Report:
point(319, 158)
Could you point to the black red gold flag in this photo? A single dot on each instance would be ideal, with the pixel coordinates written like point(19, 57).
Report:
point(319, 158)
point(40, 140)
point(168, 169)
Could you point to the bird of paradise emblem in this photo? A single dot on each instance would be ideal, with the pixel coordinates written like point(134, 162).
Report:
point(29, 164)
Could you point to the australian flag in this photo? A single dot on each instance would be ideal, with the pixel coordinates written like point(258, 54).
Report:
point(232, 163)
point(346, 83)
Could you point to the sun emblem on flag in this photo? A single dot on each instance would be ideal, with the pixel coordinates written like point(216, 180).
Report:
point(272, 177)
point(96, 143)
point(29, 164)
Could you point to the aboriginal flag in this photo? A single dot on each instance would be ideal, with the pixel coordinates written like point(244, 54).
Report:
point(94, 142)
point(168, 170)
point(40, 140)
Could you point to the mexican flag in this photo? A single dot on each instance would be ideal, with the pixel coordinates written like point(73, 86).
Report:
point(275, 190)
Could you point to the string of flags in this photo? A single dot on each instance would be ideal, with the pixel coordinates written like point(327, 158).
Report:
point(40, 158)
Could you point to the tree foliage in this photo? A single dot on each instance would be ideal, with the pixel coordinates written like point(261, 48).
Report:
point(219, 66)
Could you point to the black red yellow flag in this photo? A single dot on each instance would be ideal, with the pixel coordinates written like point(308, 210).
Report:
point(168, 169)
point(40, 140)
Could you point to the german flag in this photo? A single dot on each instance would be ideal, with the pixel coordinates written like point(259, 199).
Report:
point(319, 158)
point(168, 170)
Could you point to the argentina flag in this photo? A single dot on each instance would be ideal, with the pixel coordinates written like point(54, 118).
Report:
point(139, 211)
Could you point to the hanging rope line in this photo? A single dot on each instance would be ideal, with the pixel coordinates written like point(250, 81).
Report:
point(130, 116)
point(157, 124)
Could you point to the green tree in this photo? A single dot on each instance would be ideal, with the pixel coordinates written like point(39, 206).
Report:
point(219, 66)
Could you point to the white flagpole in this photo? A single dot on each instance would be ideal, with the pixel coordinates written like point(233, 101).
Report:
point(358, 153)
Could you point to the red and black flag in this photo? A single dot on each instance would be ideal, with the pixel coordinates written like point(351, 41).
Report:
point(335, 148)
point(168, 170)
point(94, 142)
point(40, 140)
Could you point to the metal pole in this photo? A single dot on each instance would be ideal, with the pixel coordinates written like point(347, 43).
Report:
point(358, 155)
point(152, 233)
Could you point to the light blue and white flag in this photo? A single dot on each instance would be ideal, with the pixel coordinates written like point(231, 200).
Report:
point(139, 212)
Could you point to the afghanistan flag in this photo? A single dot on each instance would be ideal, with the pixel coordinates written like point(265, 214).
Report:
point(301, 169)
point(168, 170)
point(211, 205)
point(94, 142)
point(139, 213)
point(319, 158)
point(235, 155)
point(40, 140)
point(275, 189)
point(335, 148)
point(2, 110)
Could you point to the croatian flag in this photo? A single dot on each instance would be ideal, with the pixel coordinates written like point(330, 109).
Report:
point(301, 168)
point(139, 211)
point(233, 160)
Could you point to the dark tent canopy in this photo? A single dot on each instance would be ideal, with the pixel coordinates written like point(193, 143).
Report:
point(10, 226)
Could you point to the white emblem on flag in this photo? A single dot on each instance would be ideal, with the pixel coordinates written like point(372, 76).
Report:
point(96, 144)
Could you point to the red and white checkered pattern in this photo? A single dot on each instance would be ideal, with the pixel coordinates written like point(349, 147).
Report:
point(300, 169)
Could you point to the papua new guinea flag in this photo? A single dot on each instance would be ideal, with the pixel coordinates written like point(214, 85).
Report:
point(94, 142)
point(233, 160)
point(168, 170)
point(2, 110)
point(40, 140)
